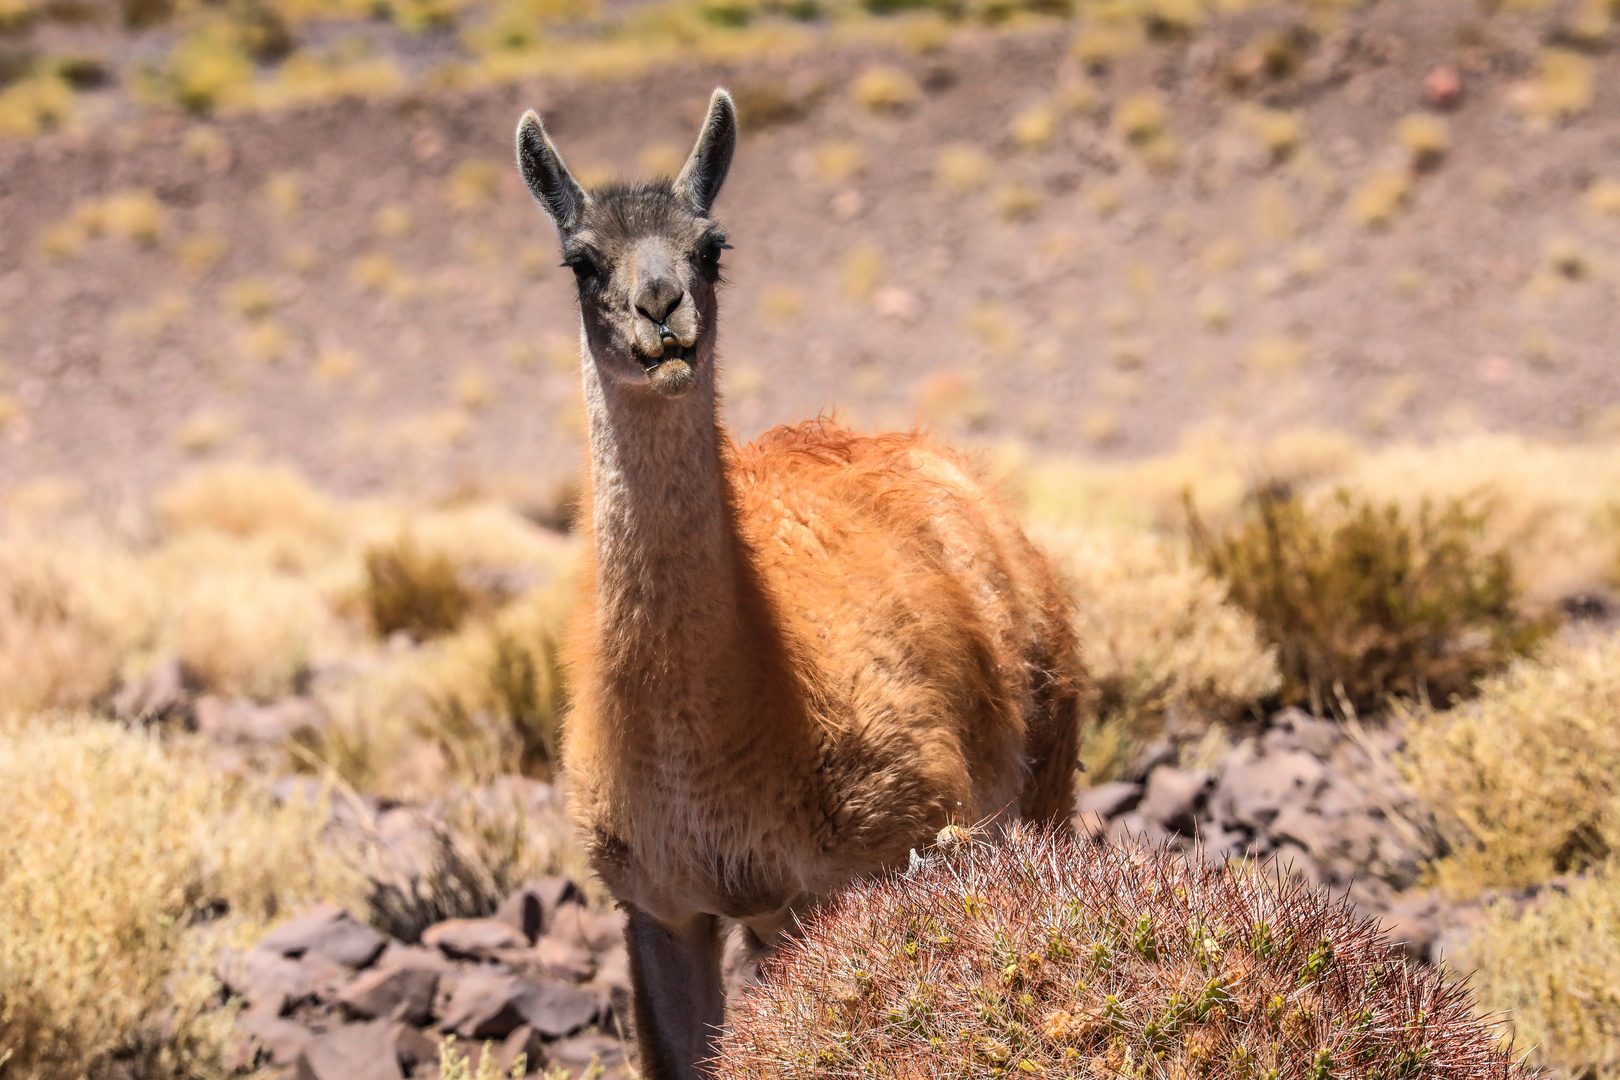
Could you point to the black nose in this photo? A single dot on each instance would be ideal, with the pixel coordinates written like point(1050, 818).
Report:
point(658, 299)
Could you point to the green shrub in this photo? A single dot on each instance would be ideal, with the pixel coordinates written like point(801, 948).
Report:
point(1525, 782)
point(1047, 955)
point(1365, 602)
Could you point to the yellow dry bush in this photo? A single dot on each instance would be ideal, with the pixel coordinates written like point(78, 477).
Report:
point(1551, 968)
point(71, 611)
point(477, 704)
point(1158, 632)
point(115, 860)
point(242, 500)
point(884, 89)
point(1551, 506)
point(29, 106)
point(1525, 782)
point(250, 632)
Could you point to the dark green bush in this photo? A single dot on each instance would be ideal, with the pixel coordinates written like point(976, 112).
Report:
point(1365, 602)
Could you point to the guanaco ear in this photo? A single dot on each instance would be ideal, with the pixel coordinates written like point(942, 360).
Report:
point(700, 178)
point(548, 178)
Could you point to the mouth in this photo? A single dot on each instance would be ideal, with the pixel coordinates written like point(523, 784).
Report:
point(670, 372)
point(672, 352)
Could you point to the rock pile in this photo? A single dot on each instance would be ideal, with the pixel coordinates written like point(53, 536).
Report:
point(1327, 804)
point(328, 998)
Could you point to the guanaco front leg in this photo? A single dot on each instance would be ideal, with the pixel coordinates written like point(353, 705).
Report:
point(680, 1001)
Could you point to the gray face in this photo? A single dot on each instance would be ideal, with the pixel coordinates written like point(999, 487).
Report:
point(646, 257)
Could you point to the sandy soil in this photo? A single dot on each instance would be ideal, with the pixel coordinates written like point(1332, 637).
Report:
point(410, 344)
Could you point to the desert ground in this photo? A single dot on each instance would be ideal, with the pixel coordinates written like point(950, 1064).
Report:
point(1285, 325)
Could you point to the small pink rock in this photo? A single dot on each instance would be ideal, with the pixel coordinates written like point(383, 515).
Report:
point(1442, 87)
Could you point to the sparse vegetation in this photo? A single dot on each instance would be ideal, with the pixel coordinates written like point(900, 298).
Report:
point(1365, 602)
point(1526, 780)
point(124, 867)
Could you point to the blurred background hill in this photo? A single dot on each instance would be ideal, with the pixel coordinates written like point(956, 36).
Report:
point(292, 229)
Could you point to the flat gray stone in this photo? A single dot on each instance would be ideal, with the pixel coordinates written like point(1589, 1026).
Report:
point(328, 932)
point(367, 1051)
point(531, 909)
point(491, 1004)
point(391, 993)
point(474, 939)
point(1109, 800)
point(1174, 797)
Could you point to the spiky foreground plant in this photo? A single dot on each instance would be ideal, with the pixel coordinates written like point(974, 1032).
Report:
point(1050, 956)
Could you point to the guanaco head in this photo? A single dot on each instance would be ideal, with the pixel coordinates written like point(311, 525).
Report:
point(646, 257)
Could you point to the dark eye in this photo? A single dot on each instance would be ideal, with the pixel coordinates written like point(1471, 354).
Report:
point(708, 258)
point(584, 268)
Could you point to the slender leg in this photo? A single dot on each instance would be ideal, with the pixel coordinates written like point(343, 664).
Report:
point(679, 999)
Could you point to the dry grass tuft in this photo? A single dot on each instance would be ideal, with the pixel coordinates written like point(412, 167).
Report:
point(415, 591)
point(1365, 602)
point(243, 501)
point(1159, 634)
point(1380, 197)
point(1563, 88)
point(71, 612)
point(1525, 782)
point(116, 863)
point(1424, 137)
point(884, 89)
point(962, 168)
point(1037, 955)
point(1551, 968)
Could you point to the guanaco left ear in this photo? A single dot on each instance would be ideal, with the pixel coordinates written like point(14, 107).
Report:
point(548, 178)
point(700, 178)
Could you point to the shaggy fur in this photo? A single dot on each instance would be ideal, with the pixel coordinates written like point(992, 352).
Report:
point(793, 661)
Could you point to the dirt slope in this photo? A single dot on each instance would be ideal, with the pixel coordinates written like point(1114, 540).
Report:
point(1081, 300)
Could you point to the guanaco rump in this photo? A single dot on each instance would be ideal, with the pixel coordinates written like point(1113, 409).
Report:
point(793, 661)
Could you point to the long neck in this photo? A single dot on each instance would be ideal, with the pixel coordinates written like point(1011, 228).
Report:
point(672, 602)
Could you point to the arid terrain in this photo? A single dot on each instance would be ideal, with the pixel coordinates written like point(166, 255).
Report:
point(365, 290)
point(1286, 327)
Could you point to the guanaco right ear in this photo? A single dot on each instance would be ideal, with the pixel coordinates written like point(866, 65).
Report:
point(548, 178)
point(700, 178)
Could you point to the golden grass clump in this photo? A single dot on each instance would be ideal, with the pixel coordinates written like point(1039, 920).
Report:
point(32, 105)
point(1049, 955)
point(1365, 601)
point(1424, 137)
point(884, 89)
point(242, 501)
point(117, 858)
point(415, 591)
point(1035, 127)
point(249, 631)
point(71, 611)
point(1379, 197)
point(962, 168)
point(1160, 637)
point(1563, 88)
point(1551, 967)
point(1525, 781)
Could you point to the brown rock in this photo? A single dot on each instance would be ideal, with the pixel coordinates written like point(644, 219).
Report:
point(576, 1053)
point(269, 982)
point(530, 909)
point(240, 721)
point(1442, 87)
point(398, 992)
point(563, 960)
point(588, 930)
point(160, 694)
point(1173, 797)
point(488, 1004)
point(274, 1040)
point(474, 939)
point(328, 932)
point(352, 1052)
